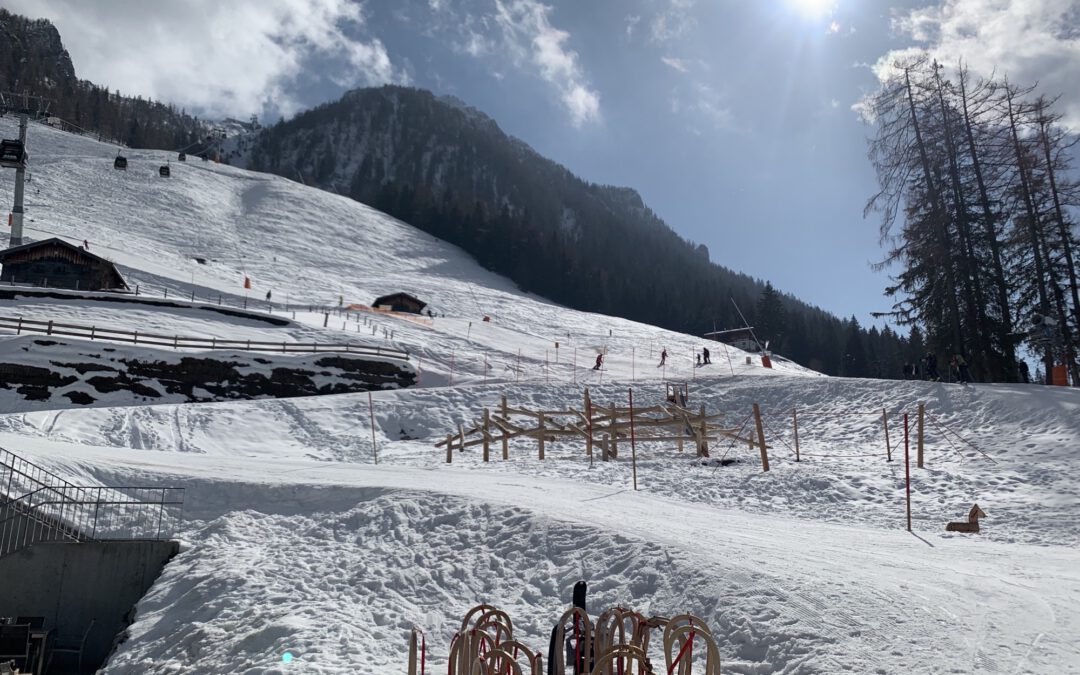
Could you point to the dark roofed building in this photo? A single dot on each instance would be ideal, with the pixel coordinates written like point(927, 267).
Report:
point(400, 302)
point(57, 264)
point(740, 338)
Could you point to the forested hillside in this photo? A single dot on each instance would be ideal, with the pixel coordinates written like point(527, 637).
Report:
point(448, 169)
point(33, 61)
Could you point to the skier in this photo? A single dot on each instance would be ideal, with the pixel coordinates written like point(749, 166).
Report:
point(705, 353)
point(268, 296)
point(698, 360)
point(85, 245)
point(599, 362)
point(930, 367)
point(962, 374)
point(663, 356)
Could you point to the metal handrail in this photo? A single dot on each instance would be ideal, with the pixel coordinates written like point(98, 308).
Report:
point(68, 512)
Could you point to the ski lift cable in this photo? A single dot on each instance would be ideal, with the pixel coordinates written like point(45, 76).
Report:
point(747, 325)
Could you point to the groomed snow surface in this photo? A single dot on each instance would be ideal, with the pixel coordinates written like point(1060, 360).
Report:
point(296, 541)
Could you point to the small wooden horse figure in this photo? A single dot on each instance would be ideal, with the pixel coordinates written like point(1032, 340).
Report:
point(972, 525)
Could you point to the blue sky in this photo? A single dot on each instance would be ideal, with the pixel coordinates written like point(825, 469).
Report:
point(733, 119)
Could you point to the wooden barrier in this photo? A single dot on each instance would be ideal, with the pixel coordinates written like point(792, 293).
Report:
point(604, 425)
point(20, 325)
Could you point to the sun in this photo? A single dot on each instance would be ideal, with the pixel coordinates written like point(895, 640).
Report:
point(813, 9)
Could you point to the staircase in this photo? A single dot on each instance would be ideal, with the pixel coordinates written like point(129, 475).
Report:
point(37, 506)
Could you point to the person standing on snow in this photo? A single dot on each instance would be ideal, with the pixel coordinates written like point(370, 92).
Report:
point(930, 367)
point(705, 353)
point(599, 362)
point(963, 376)
point(663, 356)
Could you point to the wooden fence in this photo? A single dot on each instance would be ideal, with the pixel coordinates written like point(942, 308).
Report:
point(604, 426)
point(21, 325)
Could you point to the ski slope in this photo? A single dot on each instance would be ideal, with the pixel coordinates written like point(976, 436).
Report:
point(296, 541)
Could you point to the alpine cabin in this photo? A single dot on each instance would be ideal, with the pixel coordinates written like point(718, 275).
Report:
point(55, 263)
point(400, 302)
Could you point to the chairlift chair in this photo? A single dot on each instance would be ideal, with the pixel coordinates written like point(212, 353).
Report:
point(164, 171)
point(182, 157)
point(12, 153)
point(120, 163)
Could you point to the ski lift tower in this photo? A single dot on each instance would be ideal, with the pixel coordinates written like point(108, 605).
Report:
point(13, 153)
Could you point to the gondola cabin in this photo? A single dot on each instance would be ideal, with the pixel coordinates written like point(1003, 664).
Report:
point(164, 171)
point(55, 263)
point(400, 302)
point(120, 163)
point(182, 157)
point(12, 154)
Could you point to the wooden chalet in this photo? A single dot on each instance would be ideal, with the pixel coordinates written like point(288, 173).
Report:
point(739, 338)
point(57, 264)
point(400, 302)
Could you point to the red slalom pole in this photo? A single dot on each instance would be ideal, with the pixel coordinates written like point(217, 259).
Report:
point(633, 446)
point(907, 472)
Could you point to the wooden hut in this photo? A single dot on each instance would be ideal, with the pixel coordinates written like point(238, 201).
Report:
point(400, 302)
point(57, 264)
point(739, 338)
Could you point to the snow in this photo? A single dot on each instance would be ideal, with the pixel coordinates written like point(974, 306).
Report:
point(296, 540)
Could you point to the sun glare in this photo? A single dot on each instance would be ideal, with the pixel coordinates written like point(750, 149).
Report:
point(813, 9)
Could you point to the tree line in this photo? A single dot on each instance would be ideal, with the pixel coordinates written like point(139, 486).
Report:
point(453, 173)
point(977, 199)
point(33, 61)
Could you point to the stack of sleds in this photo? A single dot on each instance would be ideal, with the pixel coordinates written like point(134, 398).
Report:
point(618, 642)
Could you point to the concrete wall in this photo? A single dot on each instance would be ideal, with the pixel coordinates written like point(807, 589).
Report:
point(70, 584)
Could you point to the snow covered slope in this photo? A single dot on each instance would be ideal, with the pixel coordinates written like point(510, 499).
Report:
point(296, 542)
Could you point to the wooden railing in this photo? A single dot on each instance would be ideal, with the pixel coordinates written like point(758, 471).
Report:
point(21, 325)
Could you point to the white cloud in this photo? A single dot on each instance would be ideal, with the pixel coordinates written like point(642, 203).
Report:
point(703, 102)
point(1027, 40)
point(834, 27)
point(531, 38)
point(674, 22)
point(712, 105)
point(631, 25)
point(219, 58)
point(677, 64)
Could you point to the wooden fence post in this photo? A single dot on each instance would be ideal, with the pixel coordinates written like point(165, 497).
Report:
point(761, 438)
point(371, 411)
point(703, 443)
point(487, 434)
point(541, 436)
point(919, 437)
point(795, 427)
point(449, 448)
point(461, 437)
point(888, 447)
point(505, 442)
point(18, 331)
point(588, 425)
point(49, 330)
point(614, 451)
